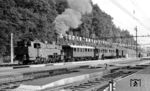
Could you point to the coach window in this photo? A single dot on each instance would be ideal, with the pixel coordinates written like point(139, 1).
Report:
point(77, 49)
point(109, 51)
point(74, 49)
point(85, 50)
point(105, 50)
point(80, 49)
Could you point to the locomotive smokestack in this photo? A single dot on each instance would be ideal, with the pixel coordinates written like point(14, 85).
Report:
point(71, 17)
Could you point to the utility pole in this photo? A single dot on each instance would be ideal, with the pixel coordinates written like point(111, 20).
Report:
point(12, 49)
point(136, 37)
point(136, 42)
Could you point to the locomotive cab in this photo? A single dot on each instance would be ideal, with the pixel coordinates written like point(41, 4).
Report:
point(21, 52)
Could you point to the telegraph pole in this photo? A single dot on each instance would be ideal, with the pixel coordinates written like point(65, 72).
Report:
point(136, 42)
point(136, 37)
point(12, 49)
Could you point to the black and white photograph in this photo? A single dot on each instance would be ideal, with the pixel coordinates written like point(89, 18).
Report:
point(74, 45)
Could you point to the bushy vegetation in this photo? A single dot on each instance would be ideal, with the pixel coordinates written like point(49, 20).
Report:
point(34, 19)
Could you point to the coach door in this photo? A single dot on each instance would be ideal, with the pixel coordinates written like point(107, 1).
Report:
point(117, 53)
point(67, 51)
point(122, 53)
point(96, 53)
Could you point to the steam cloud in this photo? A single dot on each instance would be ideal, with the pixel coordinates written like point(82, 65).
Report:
point(71, 17)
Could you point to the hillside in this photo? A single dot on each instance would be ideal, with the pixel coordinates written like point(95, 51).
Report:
point(35, 19)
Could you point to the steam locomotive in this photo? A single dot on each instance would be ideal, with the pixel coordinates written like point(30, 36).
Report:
point(33, 52)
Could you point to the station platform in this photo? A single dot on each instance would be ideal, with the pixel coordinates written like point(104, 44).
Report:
point(60, 80)
point(139, 81)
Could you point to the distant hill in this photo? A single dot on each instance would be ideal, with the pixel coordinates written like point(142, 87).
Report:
point(34, 19)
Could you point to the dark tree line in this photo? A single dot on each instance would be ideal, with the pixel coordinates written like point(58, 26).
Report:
point(33, 19)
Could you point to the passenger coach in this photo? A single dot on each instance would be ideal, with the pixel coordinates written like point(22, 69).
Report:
point(75, 52)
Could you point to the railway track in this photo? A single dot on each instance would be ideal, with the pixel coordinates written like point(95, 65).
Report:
point(90, 84)
point(95, 84)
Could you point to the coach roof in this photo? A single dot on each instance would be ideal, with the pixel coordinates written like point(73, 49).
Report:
point(77, 46)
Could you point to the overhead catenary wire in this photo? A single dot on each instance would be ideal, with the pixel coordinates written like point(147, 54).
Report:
point(139, 8)
point(128, 13)
point(133, 17)
point(109, 37)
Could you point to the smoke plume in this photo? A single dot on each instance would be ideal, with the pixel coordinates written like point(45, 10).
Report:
point(71, 17)
point(82, 6)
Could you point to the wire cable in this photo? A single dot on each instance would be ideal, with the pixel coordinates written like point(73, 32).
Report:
point(128, 13)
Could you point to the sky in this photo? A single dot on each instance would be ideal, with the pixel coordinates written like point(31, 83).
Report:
point(127, 14)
